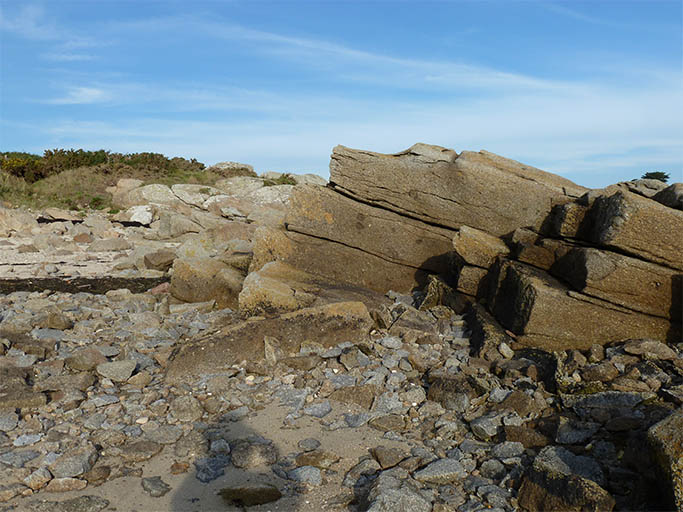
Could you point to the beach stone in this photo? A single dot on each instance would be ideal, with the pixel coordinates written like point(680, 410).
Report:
point(160, 260)
point(492, 469)
point(38, 479)
point(306, 475)
point(650, 349)
point(79, 504)
point(85, 359)
point(507, 450)
point(8, 421)
point(441, 471)
point(317, 458)
point(388, 457)
point(165, 434)
point(155, 486)
point(17, 458)
point(399, 500)
point(309, 444)
point(7, 492)
point(140, 450)
point(211, 468)
point(65, 485)
point(205, 279)
point(319, 410)
point(118, 371)
point(73, 464)
point(27, 439)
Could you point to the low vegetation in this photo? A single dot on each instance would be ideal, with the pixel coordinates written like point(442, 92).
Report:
point(78, 179)
point(284, 179)
point(656, 175)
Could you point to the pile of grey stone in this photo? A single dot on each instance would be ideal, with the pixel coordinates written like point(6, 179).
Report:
point(498, 337)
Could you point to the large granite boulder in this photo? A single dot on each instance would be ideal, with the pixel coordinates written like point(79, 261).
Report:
point(438, 186)
point(671, 196)
point(640, 227)
point(13, 221)
point(666, 439)
point(543, 312)
point(623, 280)
point(560, 480)
point(205, 279)
point(278, 288)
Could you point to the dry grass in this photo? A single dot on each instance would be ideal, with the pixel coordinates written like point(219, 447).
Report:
point(85, 187)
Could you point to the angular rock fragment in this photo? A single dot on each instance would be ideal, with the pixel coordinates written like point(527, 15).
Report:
point(671, 196)
point(477, 247)
point(204, 279)
point(623, 280)
point(560, 480)
point(529, 304)
point(640, 227)
point(438, 186)
point(666, 439)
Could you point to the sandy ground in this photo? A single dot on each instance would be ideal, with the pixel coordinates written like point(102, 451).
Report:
point(190, 495)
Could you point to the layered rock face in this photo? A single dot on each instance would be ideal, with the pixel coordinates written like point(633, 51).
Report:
point(538, 250)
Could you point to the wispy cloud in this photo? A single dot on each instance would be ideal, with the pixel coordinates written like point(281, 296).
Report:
point(81, 96)
point(68, 57)
point(568, 12)
point(32, 22)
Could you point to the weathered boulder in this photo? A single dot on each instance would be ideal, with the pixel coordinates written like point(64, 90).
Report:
point(239, 185)
point(545, 313)
point(529, 247)
point(119, 192)
point(623, 280)
point(568, 220)
point(477, 247)
point(16, 221)
point(640, 227)
point(560, 480)
point(671, 196)
point(326, 215)
point(205, 279)
point(278, 288)
point(57, 214)
point(142, 214)
point(194, 195)
point(327, 325)
point(666, 439)
point(155, 194)
point(173, 225)
point(343, 264)
point(645, 187)
point(434, 184)
point(160, 260)
point(471, 280)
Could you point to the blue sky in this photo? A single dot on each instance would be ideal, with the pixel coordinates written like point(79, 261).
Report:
point(590, 90)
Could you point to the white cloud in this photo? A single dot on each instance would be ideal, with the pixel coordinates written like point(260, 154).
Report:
point(68, 57)
point(81, 96)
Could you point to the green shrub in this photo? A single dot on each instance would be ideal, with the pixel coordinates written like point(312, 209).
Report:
point(656, 175)
point(285, 179)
